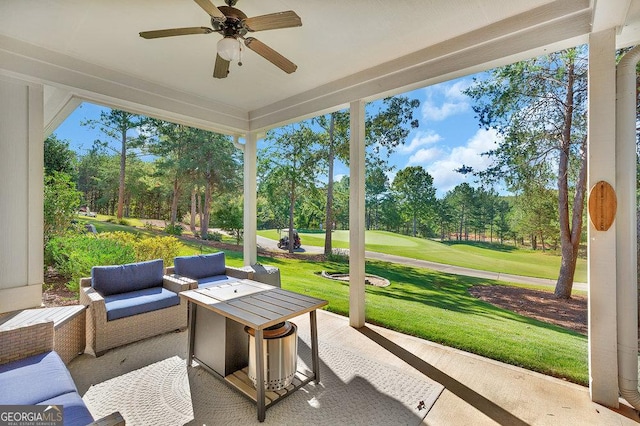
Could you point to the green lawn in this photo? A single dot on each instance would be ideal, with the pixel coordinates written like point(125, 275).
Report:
point(437, 307)
point(475, 255)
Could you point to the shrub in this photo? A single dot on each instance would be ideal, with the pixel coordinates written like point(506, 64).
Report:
point(187, 219)
point(175, 229)
point(74, 256)
point(148, 226)
point(121, 236)
point(165, 248)
point(124, 222)
point(147, 248)
point(339, 256)
point(214, 236)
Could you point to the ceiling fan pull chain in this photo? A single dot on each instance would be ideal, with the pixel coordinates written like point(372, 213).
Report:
point(240, 52)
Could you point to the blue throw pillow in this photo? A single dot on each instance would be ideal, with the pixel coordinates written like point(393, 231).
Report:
point(200, 266)
point(116, 279)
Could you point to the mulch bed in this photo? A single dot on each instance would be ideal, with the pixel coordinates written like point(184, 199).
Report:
point(541, 305)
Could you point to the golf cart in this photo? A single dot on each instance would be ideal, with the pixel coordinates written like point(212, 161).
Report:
point(283, 243)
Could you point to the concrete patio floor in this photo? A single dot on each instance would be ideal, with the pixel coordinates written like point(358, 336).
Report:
point(478, 391)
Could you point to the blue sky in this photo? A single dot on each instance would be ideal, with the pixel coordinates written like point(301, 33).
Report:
point(447, 138)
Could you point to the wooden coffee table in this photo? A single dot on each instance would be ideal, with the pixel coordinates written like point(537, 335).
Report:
point(258, 306)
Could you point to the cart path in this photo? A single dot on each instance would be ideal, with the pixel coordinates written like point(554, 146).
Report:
point(269, 244)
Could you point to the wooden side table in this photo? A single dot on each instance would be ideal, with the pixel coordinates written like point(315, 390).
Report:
point(68, 323)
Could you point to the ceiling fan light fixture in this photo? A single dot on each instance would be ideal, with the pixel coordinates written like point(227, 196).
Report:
point(229, 49)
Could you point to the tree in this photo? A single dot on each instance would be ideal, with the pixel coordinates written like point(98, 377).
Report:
point(218, 167)
point(502, 222)
point(414, 187)
point(172, 147)
point(539, 106)
point(228, 216)
point(535, 210)
point(460, 199)
point(291, 162)
point(387, 125)
point(61, 202)
point(390, 215)
point(336, 144)
point(58, 157)
point(88, 179)
point(341, 204)
point(115, 125)
point(376, 184)
point(445, 218)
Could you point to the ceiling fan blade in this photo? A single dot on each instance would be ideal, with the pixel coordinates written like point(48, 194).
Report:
point(175, 32)
point(270, 55)
point(273, 21)
point(221, 68)
point(213, 11)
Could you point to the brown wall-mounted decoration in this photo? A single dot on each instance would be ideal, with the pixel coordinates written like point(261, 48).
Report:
point(602, 205)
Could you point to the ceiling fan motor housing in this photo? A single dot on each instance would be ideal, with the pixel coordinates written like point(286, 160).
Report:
point(233, 25)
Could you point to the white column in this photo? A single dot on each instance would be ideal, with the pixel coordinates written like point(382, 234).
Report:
point(601, 246)
point(21, 194)
point(356, 216)
point(250, 250)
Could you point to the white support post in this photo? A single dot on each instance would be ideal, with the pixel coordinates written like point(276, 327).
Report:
point(356, 216)
point(250, 247)
point(601, 246)
point(21, 194)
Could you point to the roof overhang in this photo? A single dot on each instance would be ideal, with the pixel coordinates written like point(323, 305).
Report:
point(344, 52)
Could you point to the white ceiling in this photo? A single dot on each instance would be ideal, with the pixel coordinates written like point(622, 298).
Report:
point(345, 50)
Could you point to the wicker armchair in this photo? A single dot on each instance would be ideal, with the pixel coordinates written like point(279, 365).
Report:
point(103, 334)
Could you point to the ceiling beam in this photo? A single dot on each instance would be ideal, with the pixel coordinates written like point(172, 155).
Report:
point(113, 88)
point(58, 104)
point(609, 14)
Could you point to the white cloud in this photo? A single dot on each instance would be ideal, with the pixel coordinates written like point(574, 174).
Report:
point(421, 138)
point(445, 100)
point(425, 156)
point(445, 177)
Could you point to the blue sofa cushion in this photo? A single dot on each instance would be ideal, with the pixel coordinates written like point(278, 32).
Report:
point(138, 302)
point(214, 280)
point(116, 279)
point(75, 412)
point(200, 266)
point(34, 379)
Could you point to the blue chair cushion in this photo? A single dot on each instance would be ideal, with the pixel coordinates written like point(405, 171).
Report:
point(216, 279)
point(34, 379)
point(200, 266)
point(75, 412)
point(138, 302)
point(116, 279)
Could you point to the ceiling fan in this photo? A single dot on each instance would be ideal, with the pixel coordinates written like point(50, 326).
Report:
point(233, 25)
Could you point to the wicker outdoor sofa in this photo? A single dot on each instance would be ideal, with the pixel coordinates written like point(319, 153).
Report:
point(32, 373)
point(131, 302)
